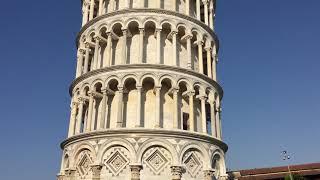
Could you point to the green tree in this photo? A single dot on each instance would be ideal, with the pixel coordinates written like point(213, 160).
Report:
point(295, 177)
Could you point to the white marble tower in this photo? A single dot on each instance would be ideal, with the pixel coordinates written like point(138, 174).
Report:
point(145, 101)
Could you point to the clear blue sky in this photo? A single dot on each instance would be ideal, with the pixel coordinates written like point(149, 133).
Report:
point(269, 68)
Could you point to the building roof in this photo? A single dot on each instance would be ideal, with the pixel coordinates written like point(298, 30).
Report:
point(312, 169)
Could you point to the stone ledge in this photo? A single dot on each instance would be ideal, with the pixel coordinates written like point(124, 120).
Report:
point(142, 66)
point(148, 133)
point(149, 10)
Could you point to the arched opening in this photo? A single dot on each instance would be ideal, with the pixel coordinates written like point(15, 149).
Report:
point(148, 103)
point(166, 45)
point(84, 117)
point(91, 42)
point(117, 44)
point(193, 9)
point(103, 53)
point(197, 110)
point(182, 54)
point(184, 109)
point(180, 6)
point(167, 109)
point(150, 43)
point(217, 166)
point(133, 43)
point(112, 104)
point(195, 50)
point(66, 162)
point(97, 109)
point(130, 103)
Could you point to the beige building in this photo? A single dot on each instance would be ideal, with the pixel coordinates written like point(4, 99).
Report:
point(145, 102)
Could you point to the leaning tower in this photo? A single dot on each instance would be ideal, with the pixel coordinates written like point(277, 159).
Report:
point(145, 103)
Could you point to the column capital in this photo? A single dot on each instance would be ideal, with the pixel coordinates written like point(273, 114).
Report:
point(224, 177)
point(124, 31)
point(188, 36)
point(81, 51)
point(208, 48)
point(96, 169)
point(205, 2)
point(81, 100)
point(87, 45)
point(121, 89)
point(70, 172)
point(135, 171)
point(209, 173)
point(141, 30)
point(139, 88)
point(157, 88)
point(200, 43)
point(191, 93)
point(74, 103)
point(176, 172)
point(98, 38)
point(60, 177)
point(175, 90)
point(202, 97)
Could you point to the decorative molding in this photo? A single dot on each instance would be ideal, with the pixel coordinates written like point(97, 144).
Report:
point(143, 67)
point(109, 133)
point(149, 10)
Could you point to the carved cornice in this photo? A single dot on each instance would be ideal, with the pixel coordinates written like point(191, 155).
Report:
point(152, 133)
point(145, 66)
point(149, 10)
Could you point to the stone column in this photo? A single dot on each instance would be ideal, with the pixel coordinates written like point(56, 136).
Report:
point(139, 91)
point(175, 109)
point(189, 51)
point(73, 119)
point(124, 47)
point(174, 48)
point(100, 7)
point(206, 13)
point(198, 9)
point(203, 99)
point(176, 172)
point(211, 17)
point(96, 171)
point(120, 112)
point(214, 67)
point(109, 53)
point(70, 174)
point(79, 62)
point(91, 9)
point(96, 53)
point(112, 4)
point(213, 119)
point(90, 110)
point(208, 174)
point(200, 57)
point(158, 34)
point(187, 7)
point(223, 177)
point(135, 171)
point(157, 110)
point(79, 118)
point(173, 6)
point(101, 120)
point(209, 65)
point(218, 121)
point(141, 34)
point(191, 110)
point(86, 60)
point(60, 177)
point(85, 13)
